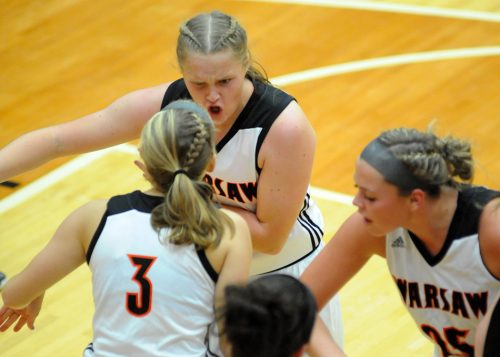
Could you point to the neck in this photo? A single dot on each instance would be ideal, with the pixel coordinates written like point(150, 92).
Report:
point(154, 192)
point(433, 223)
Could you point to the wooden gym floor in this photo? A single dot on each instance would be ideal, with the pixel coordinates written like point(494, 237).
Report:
point(356, 67)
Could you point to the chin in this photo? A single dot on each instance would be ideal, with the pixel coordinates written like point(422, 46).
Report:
point(375, 230)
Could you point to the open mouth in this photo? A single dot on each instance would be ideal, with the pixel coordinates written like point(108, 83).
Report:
point(214, 109)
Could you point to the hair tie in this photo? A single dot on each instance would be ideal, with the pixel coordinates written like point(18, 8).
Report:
point(381, 158)
point(180, 171)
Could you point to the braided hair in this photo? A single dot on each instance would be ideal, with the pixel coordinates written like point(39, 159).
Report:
point(434, 161)
point(177, 145)
point(215, 32)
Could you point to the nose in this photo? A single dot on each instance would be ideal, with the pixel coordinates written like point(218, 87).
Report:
point(357, 201)
point(212, 95)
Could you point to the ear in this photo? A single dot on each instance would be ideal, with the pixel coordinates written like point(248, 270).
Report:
point(145, 172)
point(417, 199)
point(211, 163)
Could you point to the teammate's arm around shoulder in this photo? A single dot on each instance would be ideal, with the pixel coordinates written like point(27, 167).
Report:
point(286, 158)
point(120, 122)
point(489, 236)
point(66, 251)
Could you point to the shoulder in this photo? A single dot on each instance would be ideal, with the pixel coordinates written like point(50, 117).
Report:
point(489, 235)
point(240, 234)
point(87, 217)
point(91, 213)
point(292, 127)
point(82, 223)
point(236, 219)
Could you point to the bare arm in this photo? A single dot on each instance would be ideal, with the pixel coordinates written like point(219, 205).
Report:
point(489, 236)
point(64, 253)
point(484, 326)
point(120, 122)
point(344, 255)
point(322, 343)
point(286, 158)
point(236, 266)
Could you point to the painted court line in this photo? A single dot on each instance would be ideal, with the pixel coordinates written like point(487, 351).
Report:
point(397, 8)
point(302, 76)
point(58, 174)
point(84, 160)
point(390, 61)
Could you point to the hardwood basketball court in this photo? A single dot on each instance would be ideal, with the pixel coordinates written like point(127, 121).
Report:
point(356, 67)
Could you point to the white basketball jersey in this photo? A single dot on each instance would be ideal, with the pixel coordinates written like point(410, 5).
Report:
point(151, 298)
point(449, 293)
point(236, 174)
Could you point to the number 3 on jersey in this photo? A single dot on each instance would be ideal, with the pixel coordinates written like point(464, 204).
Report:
point(139, 303)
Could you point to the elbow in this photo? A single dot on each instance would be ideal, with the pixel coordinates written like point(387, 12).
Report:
point(270, 251)
point(274, 246)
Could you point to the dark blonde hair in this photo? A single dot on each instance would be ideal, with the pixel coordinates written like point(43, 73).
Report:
point(215, 32)
point(177, 145)
point(433, 160)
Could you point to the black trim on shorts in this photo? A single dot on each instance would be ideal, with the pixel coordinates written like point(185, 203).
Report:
point(290, 264)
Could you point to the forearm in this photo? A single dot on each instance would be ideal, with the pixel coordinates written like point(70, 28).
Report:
point(263, 240)
point(27, 152)
point(18, 294)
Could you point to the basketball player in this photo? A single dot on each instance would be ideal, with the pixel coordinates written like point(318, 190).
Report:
point(272, 316)
point(265, 144)
point(160, 259)
point(439, 235)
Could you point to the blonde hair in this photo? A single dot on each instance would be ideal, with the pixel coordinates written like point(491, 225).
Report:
point(214, 32)
point(434, 161)
point(177, 145)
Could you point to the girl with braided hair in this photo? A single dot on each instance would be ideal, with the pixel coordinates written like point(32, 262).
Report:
point(160, 259)
point(439, 234)
point(264, 142)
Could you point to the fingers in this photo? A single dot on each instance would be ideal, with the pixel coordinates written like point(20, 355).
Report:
point(9, 317)
point(20, 323)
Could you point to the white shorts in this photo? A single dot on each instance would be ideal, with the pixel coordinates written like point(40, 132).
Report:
point(330, 314)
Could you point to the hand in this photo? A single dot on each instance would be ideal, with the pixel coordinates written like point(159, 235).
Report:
point(24, 316)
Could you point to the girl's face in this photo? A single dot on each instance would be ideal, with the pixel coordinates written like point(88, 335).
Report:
point(216, 82)
point(378, 201)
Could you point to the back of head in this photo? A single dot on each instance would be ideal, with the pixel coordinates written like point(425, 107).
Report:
point(177, 145)
point(272, 316)
point(213, 32)
point(431, 160)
